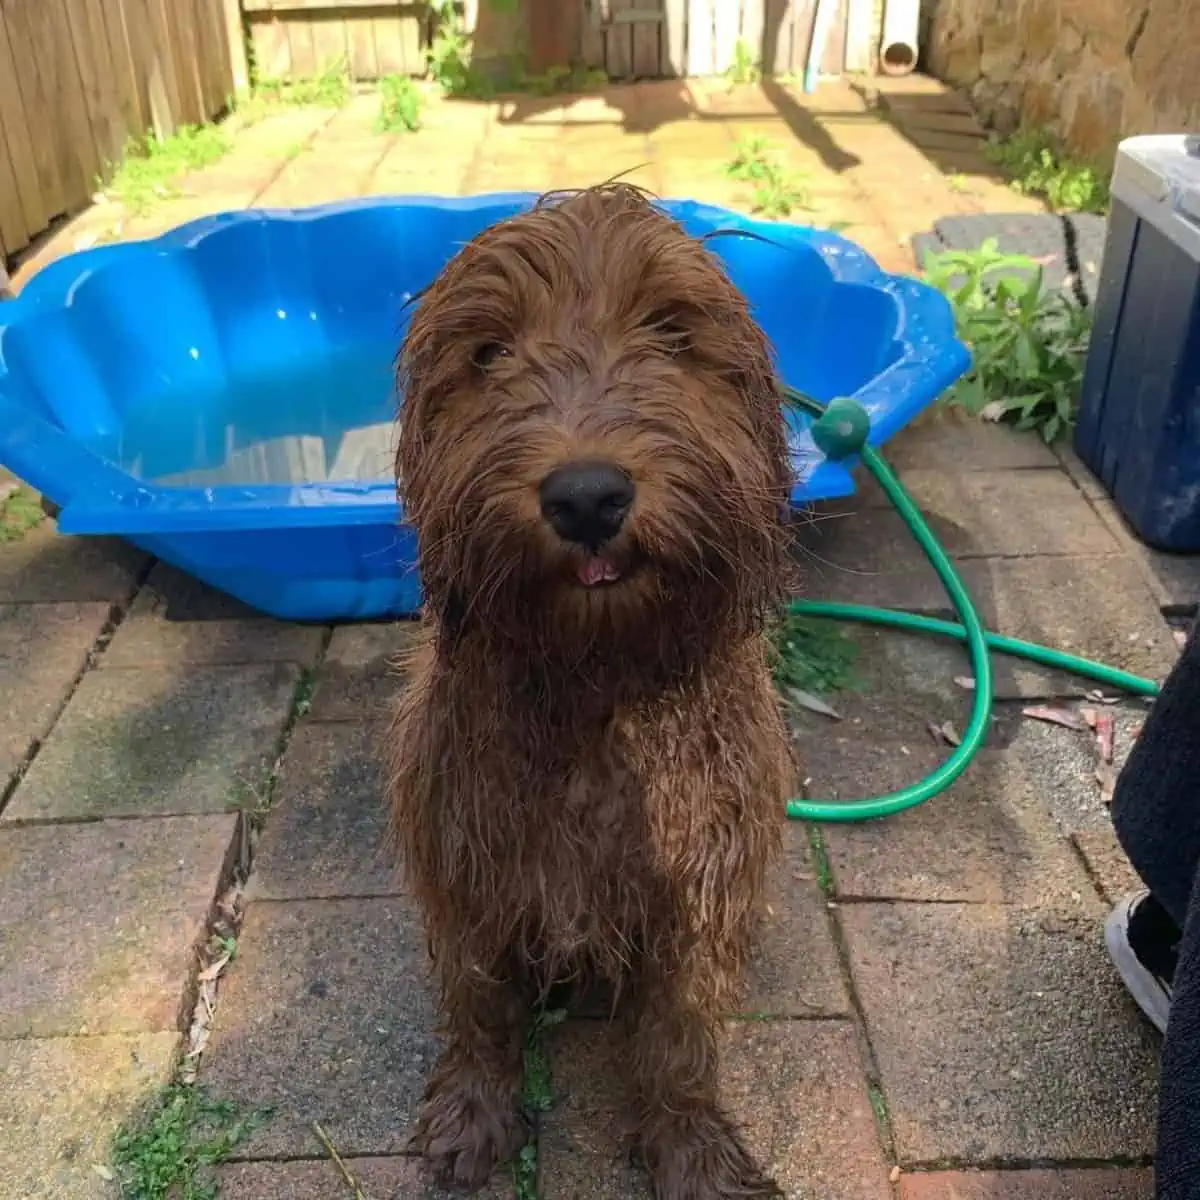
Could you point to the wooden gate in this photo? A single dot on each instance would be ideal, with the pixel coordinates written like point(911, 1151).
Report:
point(646, 38)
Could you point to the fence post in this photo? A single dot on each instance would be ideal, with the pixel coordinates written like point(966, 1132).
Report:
point(239, 62)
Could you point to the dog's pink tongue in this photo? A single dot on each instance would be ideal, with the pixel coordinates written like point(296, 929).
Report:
point(596, 570)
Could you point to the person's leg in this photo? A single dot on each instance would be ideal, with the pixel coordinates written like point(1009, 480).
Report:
point(1156, 814)
point(1177, 1163)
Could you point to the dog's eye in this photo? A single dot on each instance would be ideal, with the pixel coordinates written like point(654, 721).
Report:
point(488, 353)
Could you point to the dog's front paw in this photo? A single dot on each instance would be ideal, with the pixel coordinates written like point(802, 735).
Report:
point(699, 1157)
point(470, 1123)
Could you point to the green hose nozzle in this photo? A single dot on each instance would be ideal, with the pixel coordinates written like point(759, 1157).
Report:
point(840, 430)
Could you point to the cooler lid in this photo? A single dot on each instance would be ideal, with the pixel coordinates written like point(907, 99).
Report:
point(1159, 176)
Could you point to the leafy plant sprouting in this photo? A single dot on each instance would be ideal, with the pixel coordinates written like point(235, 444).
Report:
point(1029, 343)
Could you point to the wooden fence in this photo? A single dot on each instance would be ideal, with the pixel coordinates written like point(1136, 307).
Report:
point(80, 77)
point(628, 39)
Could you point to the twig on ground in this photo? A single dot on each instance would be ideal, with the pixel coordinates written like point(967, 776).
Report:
point(331, 1150)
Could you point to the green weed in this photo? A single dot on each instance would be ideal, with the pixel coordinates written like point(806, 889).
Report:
point(223, 946)
point(879, 1106)
point(751, 156)
point(306, 687)
point(329, 88)
point(399, 105)
point(821, 859)
point(745, 66)
point(1029, 343)
point(559, 80)
point(19, 513)
point(525, 1172)
point(449, 59)
point(1038, 167)
point(777, 193)
point(450, 63)
point(183, 1135)
point(538, 1097)
point(812, 655)
point(152, 167)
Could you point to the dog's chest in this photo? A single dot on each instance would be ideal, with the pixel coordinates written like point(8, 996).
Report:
point(592, 857)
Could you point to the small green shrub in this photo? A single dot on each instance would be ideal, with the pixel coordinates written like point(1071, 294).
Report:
point(19, 513)
point(399, 105)
point(745, 65)
point(152, 167)
point(777, 193)
point(1029, 343)
point(170, 1154)
point(751, 156)
point(449, 59)
point(1038, 167)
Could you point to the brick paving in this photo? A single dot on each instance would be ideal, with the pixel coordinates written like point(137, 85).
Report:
point(929, 1016)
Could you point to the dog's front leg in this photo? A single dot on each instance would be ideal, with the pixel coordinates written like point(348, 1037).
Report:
point(471, 1120)
point(690, 1147)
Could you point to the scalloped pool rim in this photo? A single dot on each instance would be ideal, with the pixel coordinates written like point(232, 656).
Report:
point(931, 359)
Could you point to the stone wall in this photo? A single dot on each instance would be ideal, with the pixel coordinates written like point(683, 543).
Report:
point(1093, 71)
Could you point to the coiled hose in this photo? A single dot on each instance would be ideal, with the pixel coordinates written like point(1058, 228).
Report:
point(840, 430)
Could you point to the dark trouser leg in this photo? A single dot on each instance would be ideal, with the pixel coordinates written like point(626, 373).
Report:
point(1178, 1158)
point(1156, 812)
point(1156, 806)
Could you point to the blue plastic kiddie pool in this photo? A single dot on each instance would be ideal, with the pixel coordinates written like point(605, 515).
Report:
point(223, 396)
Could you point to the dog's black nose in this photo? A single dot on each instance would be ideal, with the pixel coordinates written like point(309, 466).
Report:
point(586, 502)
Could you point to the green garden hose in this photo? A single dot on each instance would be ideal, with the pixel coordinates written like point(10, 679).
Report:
point(840, 430)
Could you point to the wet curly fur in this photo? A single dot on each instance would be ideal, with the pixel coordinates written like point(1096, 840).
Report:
point(587, 778)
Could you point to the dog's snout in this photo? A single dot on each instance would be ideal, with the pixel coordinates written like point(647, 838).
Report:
point(586, 502)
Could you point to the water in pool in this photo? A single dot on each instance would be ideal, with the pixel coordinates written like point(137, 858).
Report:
point(331, 419)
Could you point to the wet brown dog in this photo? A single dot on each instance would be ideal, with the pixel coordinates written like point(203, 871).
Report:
point(589, 767)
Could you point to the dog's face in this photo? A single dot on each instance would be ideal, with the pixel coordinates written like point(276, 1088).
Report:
point(592, 449)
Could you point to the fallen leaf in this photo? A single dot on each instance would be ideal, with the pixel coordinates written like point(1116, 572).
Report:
point(945, 732)
point(103, 1172)
point(965, 682)
point(1054, 716)
point(1106, 728)
point(813, 703)
point(993, 411)
point(213, 969)
point(894, 1177)
point(1106, 777)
